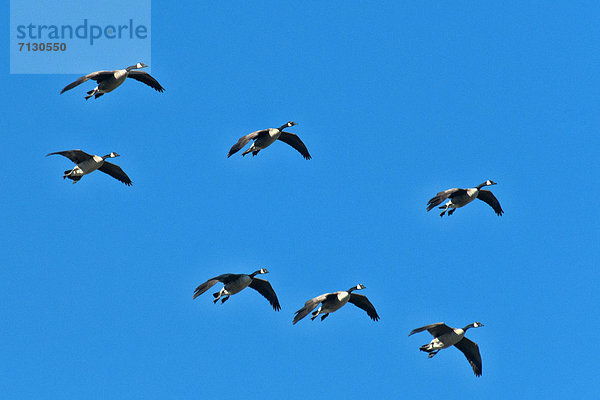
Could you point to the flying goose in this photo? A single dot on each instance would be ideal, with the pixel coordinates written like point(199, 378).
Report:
point(110, 80)
point(444, 337)
point(235, 283)
point(87, 163)
point(331, 302)
point(264, 138)
point(462, 197)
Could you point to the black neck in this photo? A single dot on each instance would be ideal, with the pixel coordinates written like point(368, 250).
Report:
point(283, 127)
point(252, 275)
point(480, 186)
point(467, 327)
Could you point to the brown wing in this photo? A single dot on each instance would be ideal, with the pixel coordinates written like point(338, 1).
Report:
point(225, 278)
point(205, 286)
point(146, 78)
point(266, 290)
point(116, 172)
point(308, 307)
point(294, 141)
point(98, 76)
point(436, 330)
point(244, 141)
point(441, 196)
point(363, 302)
point(488, 197)
point(471, 351)
point(77, 156)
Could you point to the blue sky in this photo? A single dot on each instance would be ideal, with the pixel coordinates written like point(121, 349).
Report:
point(395, 102)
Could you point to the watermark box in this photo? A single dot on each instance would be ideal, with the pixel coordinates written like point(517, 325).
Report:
point(78, 36)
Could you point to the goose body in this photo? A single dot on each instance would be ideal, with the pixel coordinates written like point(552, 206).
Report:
point(88, 166)
point(110, 80)
point(445, 336)
point(266, 137)
point(458, 198)
point(331, 302)
point(235, 283)
point(264, 141)
point(88, 163)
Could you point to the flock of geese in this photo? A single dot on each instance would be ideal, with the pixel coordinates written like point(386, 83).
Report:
point(327, 303)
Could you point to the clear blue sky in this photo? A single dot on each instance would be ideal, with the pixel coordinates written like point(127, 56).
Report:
point(395, 102)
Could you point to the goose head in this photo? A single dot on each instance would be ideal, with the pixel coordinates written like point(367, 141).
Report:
point(260, 271)
point(136, 66)
point(360, 286)
point(473, 325)
point(111, 155)
point(486, 183)
point(287, 125)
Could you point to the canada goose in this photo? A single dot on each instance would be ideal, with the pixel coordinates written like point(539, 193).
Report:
point(444, 337)
point(87, 163)
point(235, 283)
point(462, 197)
point(264, 138)
point(110, 80)
point(331, 302)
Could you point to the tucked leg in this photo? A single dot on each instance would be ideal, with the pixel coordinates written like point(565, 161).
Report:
point(91, 93)
point(315, 314)
point(445, 207)
point(433, 353)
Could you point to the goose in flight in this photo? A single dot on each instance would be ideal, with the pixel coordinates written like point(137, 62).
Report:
point(331, 302)
point(462, 197)
point(88, 163)
point(444, 337)
point(235, 283)
point(110, 80)
point(264, 138)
